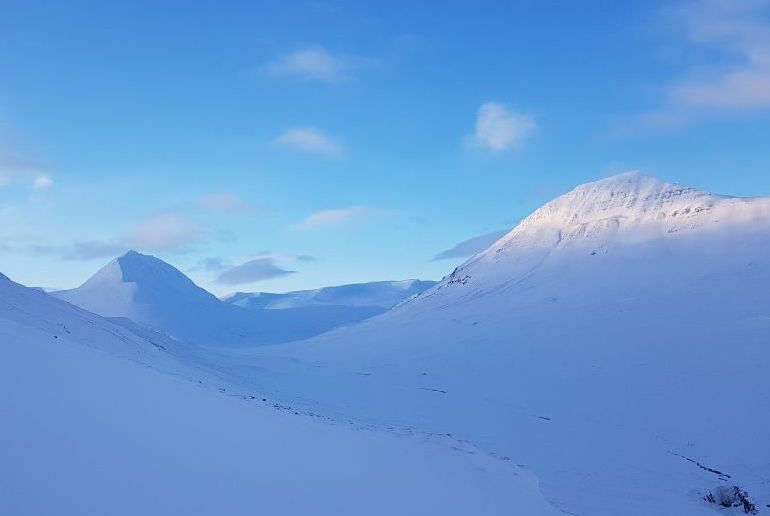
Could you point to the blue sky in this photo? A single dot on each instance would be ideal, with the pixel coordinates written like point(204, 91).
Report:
point(301, 144)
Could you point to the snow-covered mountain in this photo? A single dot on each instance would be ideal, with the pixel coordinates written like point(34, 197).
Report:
point(379, 294)
point(151, 292)
point(629, 210)
point(96, 419)
point(616, 342)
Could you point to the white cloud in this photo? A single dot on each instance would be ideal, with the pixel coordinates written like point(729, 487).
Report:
point(738, 27)
point(311, 140)
point(499, 128)
point(310, 63)
point(89, 250)
point(42, 182)
point(333, 217)
point(225, 202)
point(738, 32)
point(168, 232)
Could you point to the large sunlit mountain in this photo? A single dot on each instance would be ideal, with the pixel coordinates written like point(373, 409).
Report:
point(616, 342)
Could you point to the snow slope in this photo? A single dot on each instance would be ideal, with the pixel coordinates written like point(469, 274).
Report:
point(616, 342)
point(377, 294)
point(97, 420)
point(151, 292)
point(330, 307)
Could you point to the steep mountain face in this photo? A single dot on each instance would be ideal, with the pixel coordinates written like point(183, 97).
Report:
point(151, 292)
point(96, 419)
point(615, 342)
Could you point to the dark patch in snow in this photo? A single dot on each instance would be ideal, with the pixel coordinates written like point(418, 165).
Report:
point(432, 390)
point(731, 496)
point(722, 476)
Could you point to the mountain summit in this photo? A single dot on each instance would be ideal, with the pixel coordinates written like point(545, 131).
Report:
point(135, 285)
point(629, 209)
point(146, 272)
point(631, 196)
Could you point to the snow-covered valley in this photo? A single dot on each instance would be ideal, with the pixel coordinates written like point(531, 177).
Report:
point(607, 357)
point(99, 420)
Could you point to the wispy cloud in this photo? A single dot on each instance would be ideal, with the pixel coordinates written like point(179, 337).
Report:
point(225, 202)
point(42, 182)
point(471, 246)
point(162, 233)
point(16, 167)
point(90, 250)
point(168, 232)
point(327, 218)
point(501, 128)
point(310, 140)
point(210, 264)
point(738, 31)
point(258, 269)
point(312, 63)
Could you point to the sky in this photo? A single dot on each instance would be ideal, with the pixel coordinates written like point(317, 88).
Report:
point(274, 146)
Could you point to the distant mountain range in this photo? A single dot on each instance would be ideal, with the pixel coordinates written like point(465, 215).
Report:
point(365, 298)
point(150, 292)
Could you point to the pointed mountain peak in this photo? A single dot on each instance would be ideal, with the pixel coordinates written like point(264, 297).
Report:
point(145, 271)
point(136, 265)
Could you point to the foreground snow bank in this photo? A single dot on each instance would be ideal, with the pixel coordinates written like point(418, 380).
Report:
point(89, 433)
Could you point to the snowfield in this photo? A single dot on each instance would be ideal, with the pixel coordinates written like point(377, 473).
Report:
point(92, 427)
point(609, 356)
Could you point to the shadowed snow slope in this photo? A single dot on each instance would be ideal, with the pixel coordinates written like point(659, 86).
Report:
point(379, 294)
point(616, 342)
point(90, 426)
point(338, 305)
point(151, 292)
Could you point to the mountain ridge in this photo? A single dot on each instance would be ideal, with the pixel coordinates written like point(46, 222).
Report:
point(153, 293)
